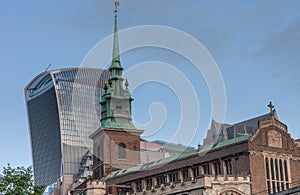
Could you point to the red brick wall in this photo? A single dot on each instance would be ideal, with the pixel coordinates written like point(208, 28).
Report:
point(113, 190)
point(111, 150)
point(259, 146)
point(295, 172)
point(257, 172)
point(243, 164)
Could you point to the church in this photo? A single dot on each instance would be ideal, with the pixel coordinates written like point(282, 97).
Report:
point(257, 156)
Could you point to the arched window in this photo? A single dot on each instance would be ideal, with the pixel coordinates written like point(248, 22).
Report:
point(122, 151)
point(230, 192)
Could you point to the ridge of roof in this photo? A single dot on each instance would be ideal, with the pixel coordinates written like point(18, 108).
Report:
point(257, 118)
point(228, 142)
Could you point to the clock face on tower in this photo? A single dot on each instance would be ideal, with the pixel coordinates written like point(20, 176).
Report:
point(274, 139)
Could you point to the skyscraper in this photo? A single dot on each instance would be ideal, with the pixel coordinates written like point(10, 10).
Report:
point(63, 110)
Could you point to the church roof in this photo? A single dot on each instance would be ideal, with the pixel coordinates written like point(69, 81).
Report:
point(253, 123)
point(220, 132)
point(183, 155)
point(168, 146)
point(207, 148)
point(151, 165)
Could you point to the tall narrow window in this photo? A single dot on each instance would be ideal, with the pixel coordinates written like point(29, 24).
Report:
point(217, 168)
point(277, 177)
point(228, 165)
point(268, 174)
point(122, 151)
point(274, 186)
point(267, 168)
point(276, 169)
point(206, 169)
point(269, 186)
point(139, 186)
point(185, 174)
point(149, 184)
point(278, 186)
point(281, 170)
point(174, 177)
point(196, 171)
point(161, 179)
point(272, 169)
point(286, 173)
point(276, 174)
point(281, 175)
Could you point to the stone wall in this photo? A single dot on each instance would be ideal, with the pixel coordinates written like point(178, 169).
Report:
point(95, 188)
point(207, 185)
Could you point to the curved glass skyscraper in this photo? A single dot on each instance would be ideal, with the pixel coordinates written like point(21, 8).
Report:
point(63, 111)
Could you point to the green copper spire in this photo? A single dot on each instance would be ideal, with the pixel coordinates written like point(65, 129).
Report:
point(116, 100)
point(116, 68)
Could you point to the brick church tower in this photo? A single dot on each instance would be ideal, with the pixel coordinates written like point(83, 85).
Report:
point(116, 145)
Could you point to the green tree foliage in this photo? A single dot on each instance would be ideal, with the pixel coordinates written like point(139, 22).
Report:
point(18, 181)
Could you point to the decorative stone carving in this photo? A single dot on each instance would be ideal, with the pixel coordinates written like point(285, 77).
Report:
point(274, 139)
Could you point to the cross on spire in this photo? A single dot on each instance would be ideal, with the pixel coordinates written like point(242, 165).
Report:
point(271, 107)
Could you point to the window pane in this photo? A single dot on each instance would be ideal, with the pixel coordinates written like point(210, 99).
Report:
point(272, 169)
point(286, 171)
point(122, 151)
point(276, 169)
point(267, 168)
point(281, 170)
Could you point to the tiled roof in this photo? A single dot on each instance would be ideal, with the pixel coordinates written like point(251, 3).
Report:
point(232, 141)
point(151, 164)
point(178, 157)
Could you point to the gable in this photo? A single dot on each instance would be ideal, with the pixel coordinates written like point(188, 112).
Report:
point(273, 139)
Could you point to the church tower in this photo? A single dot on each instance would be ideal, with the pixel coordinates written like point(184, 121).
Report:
point(116, 101)
point(116, 145)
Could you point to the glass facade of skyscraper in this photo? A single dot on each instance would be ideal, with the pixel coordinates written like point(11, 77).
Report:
point(63, 111)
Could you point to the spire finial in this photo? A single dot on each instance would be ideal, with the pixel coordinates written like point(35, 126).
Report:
point(271, 107)
point(116, 6)
point(116, 68)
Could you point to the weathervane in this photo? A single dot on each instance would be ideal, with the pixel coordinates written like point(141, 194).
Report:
point(116, 6)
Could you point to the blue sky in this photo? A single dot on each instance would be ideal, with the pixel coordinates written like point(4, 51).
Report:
point(256, 45)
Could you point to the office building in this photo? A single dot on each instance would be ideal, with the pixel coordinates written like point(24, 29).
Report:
point(63, 110)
